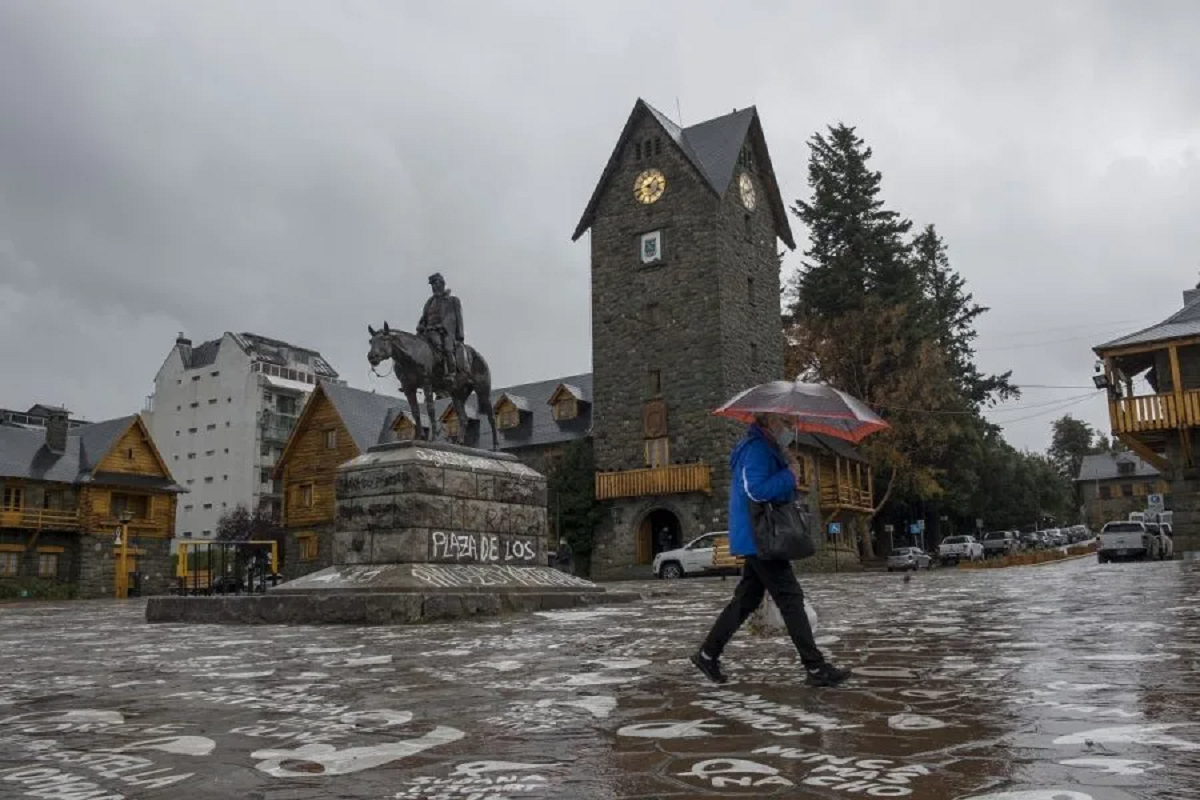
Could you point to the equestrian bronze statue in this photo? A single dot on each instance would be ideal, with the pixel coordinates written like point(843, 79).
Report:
point(437, 361)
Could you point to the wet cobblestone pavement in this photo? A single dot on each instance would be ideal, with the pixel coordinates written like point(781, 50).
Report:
point(1062, 682)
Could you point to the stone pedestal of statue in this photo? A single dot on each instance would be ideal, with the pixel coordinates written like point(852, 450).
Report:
point(424, 531)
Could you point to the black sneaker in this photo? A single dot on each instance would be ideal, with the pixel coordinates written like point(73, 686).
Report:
point(709, 666)
point(827, 675)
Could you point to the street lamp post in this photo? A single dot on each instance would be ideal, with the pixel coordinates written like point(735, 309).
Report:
point(122, 577)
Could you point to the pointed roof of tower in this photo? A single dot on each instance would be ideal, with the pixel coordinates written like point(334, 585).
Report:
point(712, 147)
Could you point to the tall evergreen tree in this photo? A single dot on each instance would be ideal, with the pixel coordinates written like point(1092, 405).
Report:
point(951, 312)
point(857, 246)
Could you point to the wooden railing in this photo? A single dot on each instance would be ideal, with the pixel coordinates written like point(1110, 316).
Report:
point(137, 527)
point(848, 497)
point(39, 519)
point(1155, 412)
point(672, 479)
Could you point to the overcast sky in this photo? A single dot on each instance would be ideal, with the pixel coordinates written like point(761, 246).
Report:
point(297, 169)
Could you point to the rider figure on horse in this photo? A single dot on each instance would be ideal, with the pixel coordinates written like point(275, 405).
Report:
point(442, 325)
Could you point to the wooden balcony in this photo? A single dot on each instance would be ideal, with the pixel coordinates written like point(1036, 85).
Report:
point(846, 486)
point(848, 498)
point(672, 479)
point(37, 519)
point(1155, 412)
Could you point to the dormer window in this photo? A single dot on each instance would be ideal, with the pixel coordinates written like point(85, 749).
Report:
point(405, 428)
point(566, 408)
point(509, 409)
point(450, 421)
point(566, 402)
point(1125, 467)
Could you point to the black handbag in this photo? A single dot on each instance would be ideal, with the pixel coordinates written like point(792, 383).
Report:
point(782, 531)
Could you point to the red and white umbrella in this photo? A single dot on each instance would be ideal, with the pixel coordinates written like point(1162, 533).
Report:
point(813, 408)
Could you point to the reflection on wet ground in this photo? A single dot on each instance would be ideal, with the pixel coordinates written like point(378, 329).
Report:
point(1062, 682)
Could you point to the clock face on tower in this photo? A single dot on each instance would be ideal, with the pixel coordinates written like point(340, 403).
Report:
point(648, 186)
point(746, 187)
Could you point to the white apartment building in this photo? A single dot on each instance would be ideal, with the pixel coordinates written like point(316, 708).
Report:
point(220, 416)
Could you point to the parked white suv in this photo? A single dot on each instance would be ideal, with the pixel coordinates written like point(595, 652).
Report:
point(959, 548)
point(694, 558)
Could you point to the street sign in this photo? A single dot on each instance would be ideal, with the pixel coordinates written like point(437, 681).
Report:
point(914, 528)
point(978, 524)
point(1154, 503)
point(889, 528)
point(835, 528)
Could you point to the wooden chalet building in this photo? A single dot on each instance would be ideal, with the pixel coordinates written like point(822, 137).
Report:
point(62, 491)
point(533, 422)
point(1160, 423)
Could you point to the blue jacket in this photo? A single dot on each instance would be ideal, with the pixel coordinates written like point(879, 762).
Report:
point(758, 472)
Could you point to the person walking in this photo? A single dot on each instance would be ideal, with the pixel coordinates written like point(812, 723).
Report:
point(762, 470)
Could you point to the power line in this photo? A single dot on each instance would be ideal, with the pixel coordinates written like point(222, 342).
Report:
point(1080, 326)
point(1044, 342)
point(997, 410)
point(1045, 413)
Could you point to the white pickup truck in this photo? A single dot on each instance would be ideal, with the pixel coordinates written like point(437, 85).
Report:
point(959, 548)
point(1132, 540)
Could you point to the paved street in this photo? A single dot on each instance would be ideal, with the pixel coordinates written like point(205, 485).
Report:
point(1060, 682)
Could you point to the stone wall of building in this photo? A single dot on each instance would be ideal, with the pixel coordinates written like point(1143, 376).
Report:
point(97, 560)
point(294, 565)
point(1184, 501)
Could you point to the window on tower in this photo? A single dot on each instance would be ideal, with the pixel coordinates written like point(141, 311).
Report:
point(654, 382)
point(658, 452)
point(653, 317)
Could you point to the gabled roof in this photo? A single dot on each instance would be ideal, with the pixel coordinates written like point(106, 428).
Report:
point(370, 417)
point(836, 447)
point(518, 402)
point(23, 454)
point(578, 392)
point(712, 148)
point(1182, 324)
point(1106, 466)
point(365, 414)
point(97, 440)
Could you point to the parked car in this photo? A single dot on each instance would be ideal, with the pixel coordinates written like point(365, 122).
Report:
point(1029, 540)
point(999, 543)
point(694, 558)
point(1132, 540)
point(959, 548)
point(1080, 533)
point(906, 558)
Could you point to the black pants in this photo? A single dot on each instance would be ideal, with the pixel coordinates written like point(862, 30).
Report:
point(758, 578)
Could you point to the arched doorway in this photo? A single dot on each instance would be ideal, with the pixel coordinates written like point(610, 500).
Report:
point(660, 530)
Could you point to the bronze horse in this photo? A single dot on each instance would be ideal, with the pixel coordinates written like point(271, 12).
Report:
point(414, 362)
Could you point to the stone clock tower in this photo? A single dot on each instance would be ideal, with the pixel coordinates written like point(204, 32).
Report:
point(685, 313)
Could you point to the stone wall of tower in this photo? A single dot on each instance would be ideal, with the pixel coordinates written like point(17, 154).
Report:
point(664, 317)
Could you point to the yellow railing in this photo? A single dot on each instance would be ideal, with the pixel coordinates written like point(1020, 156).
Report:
point(672, 479)
point(1155, 412)
point(38, 519)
